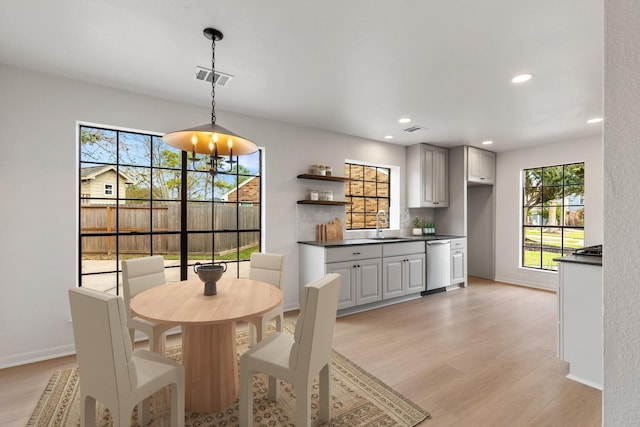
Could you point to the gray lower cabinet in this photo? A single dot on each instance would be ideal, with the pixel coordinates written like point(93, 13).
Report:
point(361, 282)
point(458, 261)
point(360, 267)
point(371, 274)
point(403, 275)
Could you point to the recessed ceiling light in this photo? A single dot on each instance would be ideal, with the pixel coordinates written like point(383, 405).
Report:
point(594, 120)
point(522, 78)
point(388, 137)
point(487, 142)
point(404, 120)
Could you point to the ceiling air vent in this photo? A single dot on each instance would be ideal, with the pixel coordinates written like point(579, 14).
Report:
point(414, 128)
point(205, 74)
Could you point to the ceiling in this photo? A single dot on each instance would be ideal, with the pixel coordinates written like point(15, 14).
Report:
point(353, 67)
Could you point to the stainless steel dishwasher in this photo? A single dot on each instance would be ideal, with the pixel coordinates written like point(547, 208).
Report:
point(438, 264)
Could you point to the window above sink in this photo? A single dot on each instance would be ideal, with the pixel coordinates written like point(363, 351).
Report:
point(372, 187)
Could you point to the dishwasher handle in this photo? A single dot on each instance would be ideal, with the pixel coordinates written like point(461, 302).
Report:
point(439, 242)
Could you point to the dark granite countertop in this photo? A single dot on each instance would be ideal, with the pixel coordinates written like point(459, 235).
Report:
point(374, 241)
point(581, 259)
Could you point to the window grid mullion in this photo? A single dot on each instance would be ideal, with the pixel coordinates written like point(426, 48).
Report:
point(556, 192)
point(106, 151)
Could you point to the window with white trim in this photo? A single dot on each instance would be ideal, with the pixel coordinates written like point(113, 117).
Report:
point(553, 214)
point(369, 191)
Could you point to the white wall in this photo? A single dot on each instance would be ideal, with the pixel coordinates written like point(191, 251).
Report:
point(38, 258)
point(622, 199)
point(509, 166)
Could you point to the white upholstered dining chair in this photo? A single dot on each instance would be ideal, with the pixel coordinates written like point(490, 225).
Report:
point(139, 275)
point(269, 268)
point(110, 371)
point(297, 358)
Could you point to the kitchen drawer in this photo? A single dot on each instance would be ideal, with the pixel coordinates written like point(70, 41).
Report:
point(404, 248)
point(458, 244)
point(353, 252)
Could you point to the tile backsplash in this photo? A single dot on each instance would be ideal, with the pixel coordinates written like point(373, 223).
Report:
point(308, 216)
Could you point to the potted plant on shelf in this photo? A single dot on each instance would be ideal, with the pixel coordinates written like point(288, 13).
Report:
point(417, 226)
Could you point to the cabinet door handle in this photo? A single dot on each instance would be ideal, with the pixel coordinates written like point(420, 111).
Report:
point(356, 253)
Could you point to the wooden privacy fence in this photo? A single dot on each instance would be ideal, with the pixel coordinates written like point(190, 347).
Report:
point(137, 219)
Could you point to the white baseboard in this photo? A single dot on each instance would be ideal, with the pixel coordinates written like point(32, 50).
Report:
point(291, 307)
point(527, 284)
point(36, 356)
point(54, 352)
point(585, 382)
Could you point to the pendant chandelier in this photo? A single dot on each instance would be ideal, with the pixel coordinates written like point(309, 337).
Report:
point(211, 138)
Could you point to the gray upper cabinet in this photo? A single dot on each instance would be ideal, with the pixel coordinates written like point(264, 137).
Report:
point(482, 167)
point(427, 176)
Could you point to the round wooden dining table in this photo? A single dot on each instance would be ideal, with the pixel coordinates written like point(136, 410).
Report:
point(208, 331)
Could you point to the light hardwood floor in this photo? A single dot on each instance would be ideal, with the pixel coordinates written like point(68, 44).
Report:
point(480, 356)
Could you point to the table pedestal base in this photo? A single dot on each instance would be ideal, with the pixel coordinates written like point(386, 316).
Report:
point(211, 366)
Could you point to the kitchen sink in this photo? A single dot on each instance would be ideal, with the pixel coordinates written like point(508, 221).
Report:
point(389, 239)
point(357, 241)
point(370, 240)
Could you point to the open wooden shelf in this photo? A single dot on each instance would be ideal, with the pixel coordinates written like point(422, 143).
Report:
point(324, 177)
point(323, 202)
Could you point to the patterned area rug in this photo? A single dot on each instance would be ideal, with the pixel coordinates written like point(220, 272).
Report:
point(358, 399)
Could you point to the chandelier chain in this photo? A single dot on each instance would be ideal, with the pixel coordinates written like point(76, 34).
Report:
point(213, 78)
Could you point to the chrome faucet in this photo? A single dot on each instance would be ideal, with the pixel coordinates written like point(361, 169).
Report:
point(378, 231)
